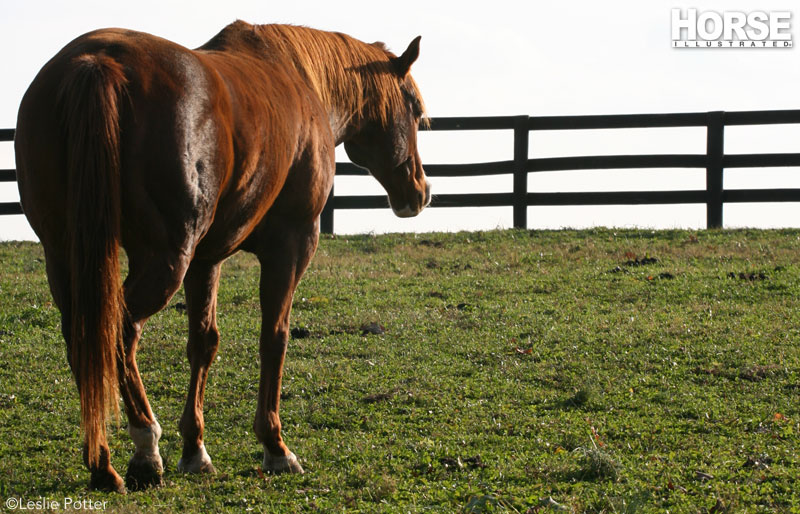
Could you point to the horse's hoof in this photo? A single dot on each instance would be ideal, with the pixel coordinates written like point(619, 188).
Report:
point(281, 464)
point(200, 462)
point(144, 473)
point(107, 481)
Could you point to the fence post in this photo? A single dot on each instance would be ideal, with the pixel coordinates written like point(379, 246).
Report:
point(521, 172)
point(715, 151)
point(326, 218)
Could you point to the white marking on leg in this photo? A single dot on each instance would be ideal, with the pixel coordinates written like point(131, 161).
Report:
point(199, 463)
point(146, 441)
point(281, 464)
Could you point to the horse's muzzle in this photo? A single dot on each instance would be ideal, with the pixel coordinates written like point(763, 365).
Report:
point(413, 208)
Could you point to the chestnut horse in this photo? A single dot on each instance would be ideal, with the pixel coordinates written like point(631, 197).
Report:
point(183, 157)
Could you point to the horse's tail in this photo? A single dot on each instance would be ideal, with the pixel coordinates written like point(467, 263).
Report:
point(88, 102)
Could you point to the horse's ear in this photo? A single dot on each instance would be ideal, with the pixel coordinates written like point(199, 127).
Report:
point(403, 63)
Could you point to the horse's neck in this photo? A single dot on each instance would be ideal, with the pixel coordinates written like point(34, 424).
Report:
point(343, 125)
point(342, 91)
point(345, 116)
point(345, 119)
point(340, 125)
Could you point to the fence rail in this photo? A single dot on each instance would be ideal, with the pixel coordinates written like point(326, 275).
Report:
point(8, 176)
point(714, 161)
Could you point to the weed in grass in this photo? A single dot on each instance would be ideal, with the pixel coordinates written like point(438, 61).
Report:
point(492, 503)
point(596, 464)
point(581, 397)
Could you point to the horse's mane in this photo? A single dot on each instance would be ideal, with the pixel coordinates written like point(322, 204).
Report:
point(354, 76)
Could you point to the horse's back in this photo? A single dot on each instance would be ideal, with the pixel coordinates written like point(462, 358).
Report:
point(172, 145)
point(207, 139)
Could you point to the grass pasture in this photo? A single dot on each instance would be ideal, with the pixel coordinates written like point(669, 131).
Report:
point(543, 371)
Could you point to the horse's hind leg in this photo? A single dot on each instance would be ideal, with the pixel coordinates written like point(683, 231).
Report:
point(200, 285)
point(149, 286)
point(284, 255)
point(145, 466)
point(103, 476)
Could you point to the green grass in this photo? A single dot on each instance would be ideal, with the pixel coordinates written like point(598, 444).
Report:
point(576, 371)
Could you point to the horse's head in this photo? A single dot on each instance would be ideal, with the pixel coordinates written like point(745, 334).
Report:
point(388, 147)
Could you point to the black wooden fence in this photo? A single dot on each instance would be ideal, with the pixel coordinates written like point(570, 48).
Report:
point(714, 161)
point(8, 176)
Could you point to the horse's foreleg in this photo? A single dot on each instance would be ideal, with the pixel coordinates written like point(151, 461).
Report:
point(200, 285)
point(283, 261)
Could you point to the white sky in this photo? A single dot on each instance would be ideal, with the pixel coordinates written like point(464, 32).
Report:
point(493, 58)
